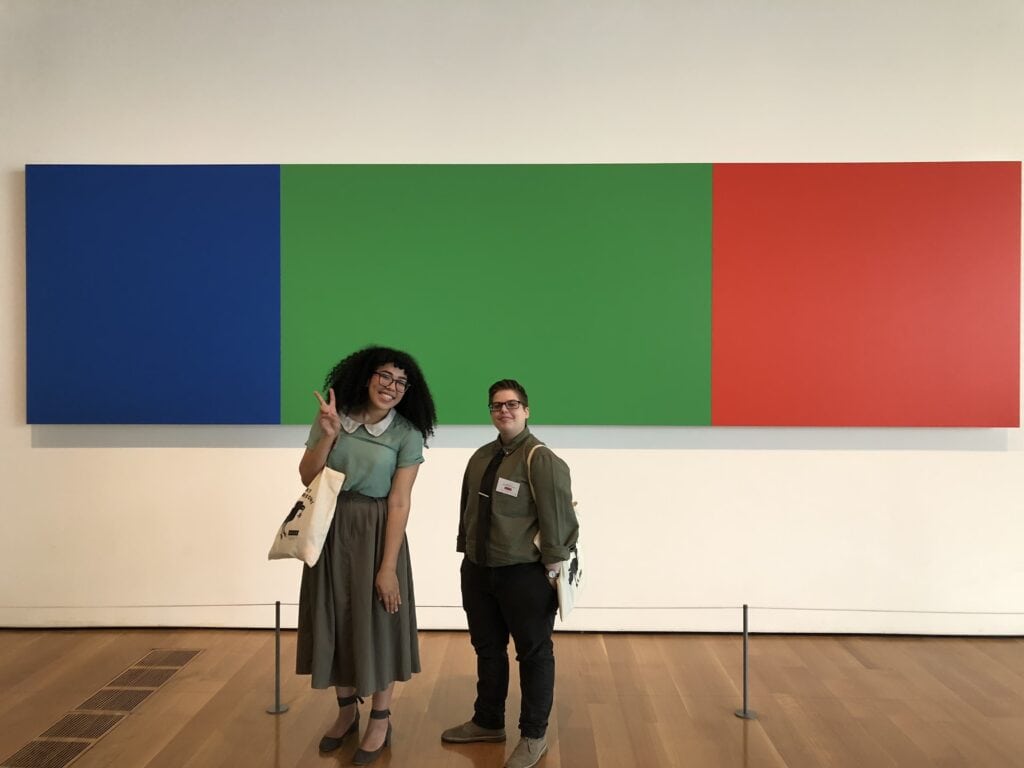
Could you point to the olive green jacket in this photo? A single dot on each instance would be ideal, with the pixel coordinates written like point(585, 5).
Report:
point(517, 514)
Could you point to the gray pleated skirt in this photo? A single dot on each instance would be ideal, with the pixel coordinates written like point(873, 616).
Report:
point(346, 637)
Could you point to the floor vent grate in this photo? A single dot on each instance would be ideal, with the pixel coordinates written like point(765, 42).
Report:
point(115, 700)
point(167, 659)
point(75, 732)
point(137, 677)
point(46, 754)
point(81, 726)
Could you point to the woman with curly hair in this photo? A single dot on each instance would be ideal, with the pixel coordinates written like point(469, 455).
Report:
point(357, 614)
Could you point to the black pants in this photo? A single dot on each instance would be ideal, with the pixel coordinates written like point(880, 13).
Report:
point(514, 599)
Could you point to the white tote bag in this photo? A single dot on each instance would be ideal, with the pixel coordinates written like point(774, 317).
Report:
point(304, 530)
point(570, 578)
point(570, 574)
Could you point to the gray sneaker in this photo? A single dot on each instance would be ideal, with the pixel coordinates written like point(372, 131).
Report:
point(527, 753)
point(470, 731)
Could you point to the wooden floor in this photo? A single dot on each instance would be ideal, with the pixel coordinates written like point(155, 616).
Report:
point(620, 700)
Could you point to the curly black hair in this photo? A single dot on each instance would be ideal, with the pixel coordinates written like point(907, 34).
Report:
point(350, 376)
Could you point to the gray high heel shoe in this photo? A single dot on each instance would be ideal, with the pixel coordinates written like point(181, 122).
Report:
point(363, 757)
point(331, 743)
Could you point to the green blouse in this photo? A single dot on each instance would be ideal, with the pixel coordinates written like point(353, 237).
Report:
point(370, 462)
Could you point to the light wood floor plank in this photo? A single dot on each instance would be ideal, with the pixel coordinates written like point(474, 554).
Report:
point(621, 700)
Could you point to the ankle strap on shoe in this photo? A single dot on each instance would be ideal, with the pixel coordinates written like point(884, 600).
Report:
point(380, 714)
point(344, 701)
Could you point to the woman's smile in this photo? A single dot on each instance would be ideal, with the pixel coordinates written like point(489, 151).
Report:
point(387, 386)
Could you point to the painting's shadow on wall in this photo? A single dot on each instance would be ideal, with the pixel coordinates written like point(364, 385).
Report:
point(605, 438)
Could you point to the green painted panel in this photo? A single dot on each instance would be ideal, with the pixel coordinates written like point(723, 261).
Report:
point(591, 284)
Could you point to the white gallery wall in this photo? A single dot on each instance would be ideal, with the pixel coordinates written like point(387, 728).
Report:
point(911, 530)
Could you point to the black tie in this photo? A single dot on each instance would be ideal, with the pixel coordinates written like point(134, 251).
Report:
point(483, 521)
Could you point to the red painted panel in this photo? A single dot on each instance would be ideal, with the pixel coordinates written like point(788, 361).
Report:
point(866, 294)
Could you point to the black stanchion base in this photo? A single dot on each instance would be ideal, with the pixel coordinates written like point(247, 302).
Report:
point(277, 710)
point(746, 714)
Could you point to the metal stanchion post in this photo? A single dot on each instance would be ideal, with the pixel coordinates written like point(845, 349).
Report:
point(745, 713)
point(278, 707)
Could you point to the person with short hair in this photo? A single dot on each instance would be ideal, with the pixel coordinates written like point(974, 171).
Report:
point(515, 490)
point(357, 612)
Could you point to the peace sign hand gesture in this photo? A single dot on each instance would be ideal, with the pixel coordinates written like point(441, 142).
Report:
point(328, 418)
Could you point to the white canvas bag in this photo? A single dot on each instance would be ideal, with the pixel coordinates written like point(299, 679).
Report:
point(570, 574)
point(304, 530)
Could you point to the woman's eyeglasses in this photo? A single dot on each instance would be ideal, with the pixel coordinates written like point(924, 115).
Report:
point(512, 405)
point(401, 385)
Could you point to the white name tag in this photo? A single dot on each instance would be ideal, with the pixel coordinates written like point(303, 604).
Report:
point(508, 487)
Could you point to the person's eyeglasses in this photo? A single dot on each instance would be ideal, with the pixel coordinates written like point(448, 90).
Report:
point(401, 385)
point(512, 405)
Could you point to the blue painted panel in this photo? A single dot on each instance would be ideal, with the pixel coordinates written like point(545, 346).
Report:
point(153, 294)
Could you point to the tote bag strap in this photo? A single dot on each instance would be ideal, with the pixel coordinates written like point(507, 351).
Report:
point(529, 463)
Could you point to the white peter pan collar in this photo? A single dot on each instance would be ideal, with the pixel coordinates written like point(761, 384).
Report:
point(350, 425)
